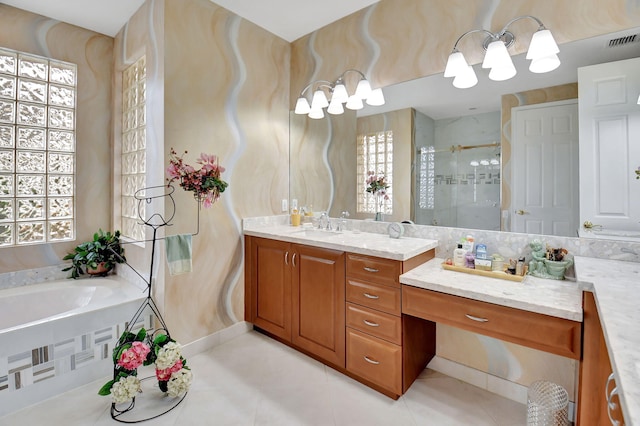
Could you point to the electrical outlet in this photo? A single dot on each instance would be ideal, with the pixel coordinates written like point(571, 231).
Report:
point(294, 203)
point(285, 205)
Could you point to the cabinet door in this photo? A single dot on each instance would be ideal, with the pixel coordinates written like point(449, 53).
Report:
point(271, 286)
point(318, 302)
point(595, 369)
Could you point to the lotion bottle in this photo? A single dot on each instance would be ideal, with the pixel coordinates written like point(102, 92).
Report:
point(458, 256)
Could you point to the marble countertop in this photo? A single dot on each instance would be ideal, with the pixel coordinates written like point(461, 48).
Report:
point(562, 299)
point(614, 284)
point(380, 245)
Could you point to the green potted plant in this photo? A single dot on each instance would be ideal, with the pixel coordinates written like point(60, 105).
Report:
point(97, 257)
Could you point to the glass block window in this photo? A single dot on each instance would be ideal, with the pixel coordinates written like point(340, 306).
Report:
point(374, 154)
point(426, 178)
point(134, 143)
point(37, 149)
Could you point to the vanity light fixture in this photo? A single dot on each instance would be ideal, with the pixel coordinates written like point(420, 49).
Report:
point(543, 53)
point(338, 96)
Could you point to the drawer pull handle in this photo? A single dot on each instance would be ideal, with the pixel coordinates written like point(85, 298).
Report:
point(371, 324)
point(366, 268)
point(607, 394)
point(286, 258)
point(478, 319)
point(612, 406)
point(371, 296)
point(293, 260)
point(370, 361)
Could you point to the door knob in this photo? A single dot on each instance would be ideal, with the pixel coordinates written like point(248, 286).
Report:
point(521, 212)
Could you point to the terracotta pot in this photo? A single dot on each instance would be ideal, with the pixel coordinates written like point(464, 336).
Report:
point(100, 270)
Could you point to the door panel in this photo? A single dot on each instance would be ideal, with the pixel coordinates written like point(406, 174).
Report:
point(545, 156)
point(318, 303)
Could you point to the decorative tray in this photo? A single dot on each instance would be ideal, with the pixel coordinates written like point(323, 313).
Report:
point(492, 274)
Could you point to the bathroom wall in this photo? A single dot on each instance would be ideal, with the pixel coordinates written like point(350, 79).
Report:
point(93, 54)
point(226, 85)
point(399, 40)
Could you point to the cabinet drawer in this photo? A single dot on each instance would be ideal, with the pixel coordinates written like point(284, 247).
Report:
point(374, 269)
point(383, 298)
point(378, 324)
point(375, 360)
point(550, 334)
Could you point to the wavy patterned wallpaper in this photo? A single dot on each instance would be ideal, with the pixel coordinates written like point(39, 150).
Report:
point(226, 85)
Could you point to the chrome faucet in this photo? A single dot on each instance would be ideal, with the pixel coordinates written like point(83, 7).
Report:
point(342, 223)
point(322, 220)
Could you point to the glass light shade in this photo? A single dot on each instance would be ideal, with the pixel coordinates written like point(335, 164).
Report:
point(354, 103)
point(456, 64)
point(542, 45)
point(363, 89)
point(376, 98)
point(497, 55)
point(544, 64)
point(335, 107)
point(302, 106)
point(638, 100)
point(316, 113)
point(340, 93)
point(474, 163)
point(319, 100)
point(484, 162)
point(503, 73)
point(466, 79)
point(494, 162)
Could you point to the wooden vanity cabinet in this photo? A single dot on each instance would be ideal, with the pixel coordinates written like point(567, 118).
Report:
point(383, 347)
point(296, 293)
point(595, 369)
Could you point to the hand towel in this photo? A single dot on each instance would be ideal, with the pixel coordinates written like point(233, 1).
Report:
point(178, 253)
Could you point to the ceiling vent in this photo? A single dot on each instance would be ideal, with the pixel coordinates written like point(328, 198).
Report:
point(622, 41)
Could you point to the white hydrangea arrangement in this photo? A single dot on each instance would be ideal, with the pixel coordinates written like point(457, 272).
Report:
point(132, 351)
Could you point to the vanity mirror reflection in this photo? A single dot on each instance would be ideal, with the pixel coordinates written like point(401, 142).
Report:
point(466, 172)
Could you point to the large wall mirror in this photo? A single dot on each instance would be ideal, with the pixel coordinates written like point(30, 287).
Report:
point(454, 163)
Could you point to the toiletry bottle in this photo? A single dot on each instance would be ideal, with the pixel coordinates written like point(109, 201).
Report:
point(295, 217)
point(458, 256)
point(467, 245)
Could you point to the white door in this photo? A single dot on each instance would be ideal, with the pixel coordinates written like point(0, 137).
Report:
point(610, 144)
point(544, 146)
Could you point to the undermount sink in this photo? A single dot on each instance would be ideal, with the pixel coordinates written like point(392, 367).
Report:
point(316, 233)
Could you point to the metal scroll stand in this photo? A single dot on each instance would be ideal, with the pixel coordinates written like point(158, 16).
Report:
point(155, 222)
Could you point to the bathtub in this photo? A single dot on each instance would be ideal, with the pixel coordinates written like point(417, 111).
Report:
point(59, 335)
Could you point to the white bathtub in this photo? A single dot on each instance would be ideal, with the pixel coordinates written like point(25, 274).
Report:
point(59, 335)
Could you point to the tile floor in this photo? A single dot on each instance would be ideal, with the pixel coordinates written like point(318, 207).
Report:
point(253, 380)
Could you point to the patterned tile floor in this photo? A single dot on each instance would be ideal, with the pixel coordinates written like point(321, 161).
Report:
point(253, 380)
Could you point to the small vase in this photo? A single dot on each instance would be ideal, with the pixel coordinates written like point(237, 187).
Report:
point(101, 270)
point(378, 217)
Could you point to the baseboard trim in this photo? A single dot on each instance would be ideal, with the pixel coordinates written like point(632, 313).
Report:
point(215, 339)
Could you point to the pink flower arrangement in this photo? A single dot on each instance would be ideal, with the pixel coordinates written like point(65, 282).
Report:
point(204, 182)
point(164, 375)
point(377, 185)
point(133, 357)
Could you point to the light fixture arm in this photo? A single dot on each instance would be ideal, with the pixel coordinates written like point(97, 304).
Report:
point(540, 24)
point(489, 33)
point(310, 85)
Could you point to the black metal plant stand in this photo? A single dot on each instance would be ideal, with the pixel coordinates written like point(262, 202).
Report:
point(155, 222)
